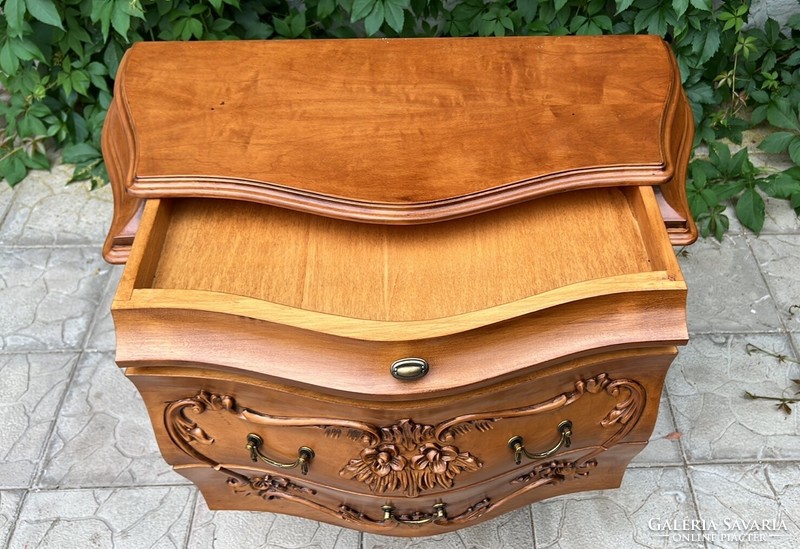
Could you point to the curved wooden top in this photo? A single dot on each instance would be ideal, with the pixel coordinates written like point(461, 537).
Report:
point(394, 131)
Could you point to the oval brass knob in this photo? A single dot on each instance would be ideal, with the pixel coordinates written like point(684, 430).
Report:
point(439, 513)
point(304, 455)
point(518, 444)
point(407, 369)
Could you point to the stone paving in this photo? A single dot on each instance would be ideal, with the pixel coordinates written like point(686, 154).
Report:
point(79, 466)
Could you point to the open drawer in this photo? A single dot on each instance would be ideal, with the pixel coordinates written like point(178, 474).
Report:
point(327, 303)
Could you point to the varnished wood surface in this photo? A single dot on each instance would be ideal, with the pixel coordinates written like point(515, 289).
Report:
point(395, 131)
point(335, 349)
point(608, 474)
point(391, 273)
point(299, 415)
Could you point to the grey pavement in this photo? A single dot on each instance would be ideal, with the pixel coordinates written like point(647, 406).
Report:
point(79, 466)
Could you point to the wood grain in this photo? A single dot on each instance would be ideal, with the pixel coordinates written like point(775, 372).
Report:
point(494, 478)
point(395, 131)
point(400, 273)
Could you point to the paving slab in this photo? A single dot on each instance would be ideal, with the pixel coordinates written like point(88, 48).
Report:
point(226, 529)
point(30, 393)
point(780, 217)
point(47, 211)
point(103, 435)
point(10, 501)
point(626, 517)
point(664, 447)
point(779, 259)
point(124, 518)
point(707, 385)
point(748, 505)
point(727, 292)
point(102, 337)
point(6, 198)
point(510, 531)
point(48, 296)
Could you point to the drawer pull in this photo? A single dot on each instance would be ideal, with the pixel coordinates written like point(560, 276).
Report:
point(304, 455)
point(439, 512)
point(518, 444)
point(407, 369)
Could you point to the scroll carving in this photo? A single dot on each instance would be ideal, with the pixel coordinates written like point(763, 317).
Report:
point(406, 456)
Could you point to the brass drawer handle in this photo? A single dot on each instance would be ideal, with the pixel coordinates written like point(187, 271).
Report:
point(409, 369)
point(439, 512)
point(518, 444)
point(304, 455)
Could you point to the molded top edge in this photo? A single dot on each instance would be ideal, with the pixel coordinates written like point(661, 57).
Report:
point(395, 130)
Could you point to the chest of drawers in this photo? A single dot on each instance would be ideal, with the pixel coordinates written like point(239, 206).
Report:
point(402, 286)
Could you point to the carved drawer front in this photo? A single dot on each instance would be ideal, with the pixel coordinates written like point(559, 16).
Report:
point(409, 449)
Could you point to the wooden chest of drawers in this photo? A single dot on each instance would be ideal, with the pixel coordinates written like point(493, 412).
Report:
point(402, 286)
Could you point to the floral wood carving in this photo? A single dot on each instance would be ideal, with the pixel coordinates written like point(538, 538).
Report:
point(410, 459)
point(267, 487)
point(556, 472)
point(405, 456)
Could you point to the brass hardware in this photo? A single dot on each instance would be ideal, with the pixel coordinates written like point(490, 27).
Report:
point(304, 455)
point(407, 369)
point(518, 444)
point(439, 512)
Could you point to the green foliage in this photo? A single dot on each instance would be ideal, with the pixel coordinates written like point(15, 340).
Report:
point(725, 177)
point(58, 59)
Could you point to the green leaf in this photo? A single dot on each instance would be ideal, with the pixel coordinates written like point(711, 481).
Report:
point(101, 12)
point(80, 152)
point(704, 5)
point(794, 150)
point(710, 45)
point(759, 96)
point(781, 185)
point(120, 19)
point(80, 81)
point(622, 5)
point(281, 27)
point(195, 28)
point(45, 11)
point(780, 114)
point(680, 6)
point(750, 210)
point(13, 169)
point(394, 14)
point(325, 8)
point(9, 63)
point(527, 8)
point(221, 25)
point(776, 142)
point(361, 9)
point(14, 11)
point(374, 20)
point(795, 202)
point(297, 26)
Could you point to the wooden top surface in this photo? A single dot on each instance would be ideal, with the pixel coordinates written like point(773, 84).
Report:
point(397, 130)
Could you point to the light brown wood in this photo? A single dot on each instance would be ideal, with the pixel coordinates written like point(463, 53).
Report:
point(485, 205)
point(396, 131)
point(399, 273)
point(530, 406)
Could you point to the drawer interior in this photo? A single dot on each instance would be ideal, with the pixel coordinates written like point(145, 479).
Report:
point(399, 273)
